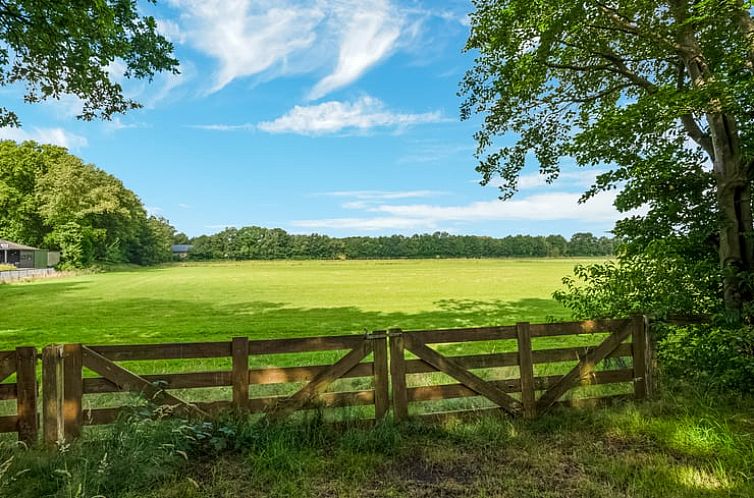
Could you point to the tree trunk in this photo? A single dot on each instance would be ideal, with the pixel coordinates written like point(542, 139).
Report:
point(734, 202)
point(732, 174)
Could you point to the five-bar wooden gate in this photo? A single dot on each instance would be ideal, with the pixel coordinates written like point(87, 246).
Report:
point(523, 371)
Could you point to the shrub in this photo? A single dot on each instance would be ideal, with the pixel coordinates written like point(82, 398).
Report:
point(713, 356)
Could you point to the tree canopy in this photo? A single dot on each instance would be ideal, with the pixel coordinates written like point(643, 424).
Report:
point(55, 48)
point(660, 91)
point(50, 198)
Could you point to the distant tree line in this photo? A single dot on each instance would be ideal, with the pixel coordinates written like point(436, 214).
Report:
point(275, 243)
point(50, 199)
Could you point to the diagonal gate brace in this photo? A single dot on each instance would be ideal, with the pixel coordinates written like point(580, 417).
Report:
point(320, 381)
point(129, 381)
point(461, 374)
point(584, 367)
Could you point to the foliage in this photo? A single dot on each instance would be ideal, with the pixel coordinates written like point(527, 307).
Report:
point(713, 357)
point(655, 90)
point(78, 48)
point(659, 281)
point(274, 243)
point(687, 444)
point(50, 198)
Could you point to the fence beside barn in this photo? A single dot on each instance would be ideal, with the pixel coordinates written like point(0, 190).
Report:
point(513, 370)
point(24, 274)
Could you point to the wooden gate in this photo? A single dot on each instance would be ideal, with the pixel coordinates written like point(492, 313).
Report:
point(518, 396)
point(23, 362)
point(65, 386)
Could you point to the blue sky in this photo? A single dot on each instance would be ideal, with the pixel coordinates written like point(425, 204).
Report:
point(329, 116)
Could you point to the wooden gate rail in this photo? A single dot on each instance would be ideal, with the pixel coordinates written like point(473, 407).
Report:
point(551, 387)
point(66, 396)
point(23, 362)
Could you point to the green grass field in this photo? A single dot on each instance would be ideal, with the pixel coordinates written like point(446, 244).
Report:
point(278, 299)
point(686, 444)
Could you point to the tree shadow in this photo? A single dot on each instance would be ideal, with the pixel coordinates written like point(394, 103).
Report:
point(57, 312)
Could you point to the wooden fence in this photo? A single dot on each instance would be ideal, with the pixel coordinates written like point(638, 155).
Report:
point(395, 370)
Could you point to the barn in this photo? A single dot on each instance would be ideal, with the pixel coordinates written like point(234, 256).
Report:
point(22, 256)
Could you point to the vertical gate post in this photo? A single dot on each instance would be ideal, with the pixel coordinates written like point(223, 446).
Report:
point(73, 386)
point(26, 399)
point(398, 375)
point(641, 348)
point(526, 369)
point(52, 394)
point(381, 376)
point(240, 374)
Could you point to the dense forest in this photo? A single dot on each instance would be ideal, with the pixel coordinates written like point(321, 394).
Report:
point(275, 243)
point(49, 198)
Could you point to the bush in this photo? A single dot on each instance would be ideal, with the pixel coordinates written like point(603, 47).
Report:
point(715, 357)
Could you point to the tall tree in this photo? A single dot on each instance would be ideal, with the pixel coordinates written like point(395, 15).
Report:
point(647, 86)
point(57, 47)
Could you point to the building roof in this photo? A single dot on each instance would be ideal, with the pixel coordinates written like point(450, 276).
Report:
point(182, 247)
point(12, 246)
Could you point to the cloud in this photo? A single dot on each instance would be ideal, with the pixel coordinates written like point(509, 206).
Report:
point(54, 136)
point(224, 127)
point(276, 37)
point(434, 151)
point(367, 224)
point(334, 116)
point(580, 179)
point(555, 206)
point(383, 194)
point(371, 31)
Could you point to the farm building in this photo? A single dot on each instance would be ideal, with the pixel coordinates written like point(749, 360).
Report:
point(181, 251)
point(22, 256)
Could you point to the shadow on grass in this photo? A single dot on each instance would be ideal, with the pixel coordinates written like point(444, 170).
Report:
point(64, 315)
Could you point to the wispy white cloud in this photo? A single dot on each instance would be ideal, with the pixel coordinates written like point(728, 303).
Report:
point(54, 136)
point(434, 151)
point(371, 29)
point(225, 127)
point(334, 117)
point(554, 206)
point(383, 194)
point(277, 37)
point(578, 179)
point(367, 224)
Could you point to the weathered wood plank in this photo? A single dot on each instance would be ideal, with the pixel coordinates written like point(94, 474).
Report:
point(511, 359)
point(381, 377)
point(320, 382)
point(192, 380)
point(452, 368)
point(72, 391)
point(7, 364)
point(584, 368)
point(258, 376)
point(52, 394)
point(306, 344)
point(398, 375)
point(640, 346)
point(103, 416)
point(575, 328)
point(128, 381)
point(9, 423)
point(26, 402)
point(285, 375)
point(465, 334)
point(466, 415)
point(526, 370)
point(7, 392)
point(240, 374)
point(451, 391)
point(167, 351)
point(323, 400)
